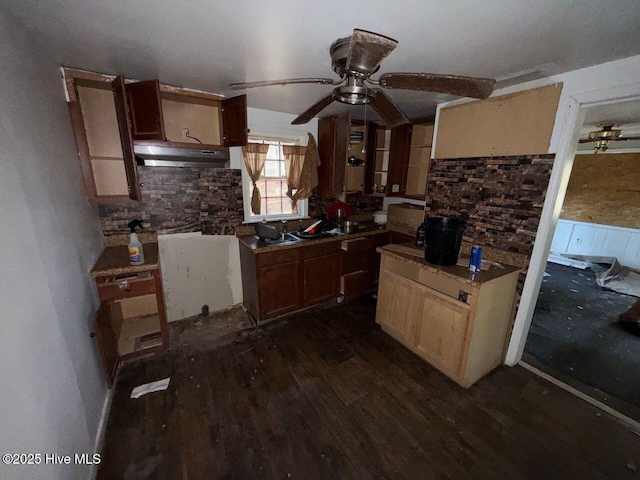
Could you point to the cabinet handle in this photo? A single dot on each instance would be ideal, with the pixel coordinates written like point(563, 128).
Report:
point(142, 185)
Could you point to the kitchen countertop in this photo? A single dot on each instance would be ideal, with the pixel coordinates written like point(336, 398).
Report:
point(114, 260)
point(457, 272)
point(260, 247)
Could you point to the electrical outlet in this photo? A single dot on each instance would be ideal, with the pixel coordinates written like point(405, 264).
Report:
point(395, 188)
point(185, 134)
point(578, 241)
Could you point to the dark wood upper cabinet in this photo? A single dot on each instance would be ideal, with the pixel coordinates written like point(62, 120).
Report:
point(126, 138)
point(370, 162)
point(145, 110)
point(341, 150)
point(398, 160)
point(234, 121)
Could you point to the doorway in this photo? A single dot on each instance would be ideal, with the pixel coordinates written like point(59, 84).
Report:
point(575, 335)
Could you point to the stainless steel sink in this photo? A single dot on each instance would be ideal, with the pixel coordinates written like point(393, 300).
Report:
point(286, 239)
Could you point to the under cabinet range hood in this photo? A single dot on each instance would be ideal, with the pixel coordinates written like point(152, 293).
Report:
point(165, 154)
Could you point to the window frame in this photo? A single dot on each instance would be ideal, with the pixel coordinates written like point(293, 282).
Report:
point(247, 184)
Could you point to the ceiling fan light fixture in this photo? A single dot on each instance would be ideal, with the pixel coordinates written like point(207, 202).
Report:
point(607, 133)
point(352, 94)
point(602, 145)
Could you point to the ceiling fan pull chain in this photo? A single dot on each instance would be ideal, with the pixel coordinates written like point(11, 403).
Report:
point(364, 139)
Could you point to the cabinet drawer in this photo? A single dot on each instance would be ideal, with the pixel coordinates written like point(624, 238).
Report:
point(354, 261)
point(354, 283)
point(277, 257)
point(321, 250)
point(113, 288)
point(355, 244)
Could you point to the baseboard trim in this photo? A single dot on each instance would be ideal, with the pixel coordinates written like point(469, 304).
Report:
point(102, 429)
point(627, 421)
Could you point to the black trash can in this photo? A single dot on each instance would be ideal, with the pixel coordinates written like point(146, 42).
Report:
point(444, 236)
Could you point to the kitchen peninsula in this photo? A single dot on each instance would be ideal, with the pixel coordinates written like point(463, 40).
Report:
point(455, 320)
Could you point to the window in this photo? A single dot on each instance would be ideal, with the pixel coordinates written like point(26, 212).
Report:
point(272, 183)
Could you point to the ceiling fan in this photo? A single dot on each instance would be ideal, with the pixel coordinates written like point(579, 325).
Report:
point(605, 135)
point(355, 59)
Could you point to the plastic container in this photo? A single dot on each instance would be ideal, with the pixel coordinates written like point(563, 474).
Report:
point(421, 235)
point(136, 255)
point(443, 239)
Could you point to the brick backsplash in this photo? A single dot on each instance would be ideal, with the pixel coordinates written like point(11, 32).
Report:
point(207, 200)
point(181, 200)
point(500, 197)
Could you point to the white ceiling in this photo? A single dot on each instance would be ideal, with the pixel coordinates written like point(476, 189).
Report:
point(622, 113)
point(207, 44)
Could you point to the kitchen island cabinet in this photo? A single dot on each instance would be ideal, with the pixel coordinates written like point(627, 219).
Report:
point(453, 319)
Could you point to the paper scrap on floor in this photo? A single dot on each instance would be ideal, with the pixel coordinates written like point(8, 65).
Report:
point(158, 386)
point(620, 279)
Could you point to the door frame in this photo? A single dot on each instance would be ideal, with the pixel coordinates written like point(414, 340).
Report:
point(556, 190)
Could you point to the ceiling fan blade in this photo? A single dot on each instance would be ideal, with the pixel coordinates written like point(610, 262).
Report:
point(452, 84)
point(625, 139)
point(313, 110)
point(389, 111)
point(367, 50)
point(268, 83)
point(586, 140)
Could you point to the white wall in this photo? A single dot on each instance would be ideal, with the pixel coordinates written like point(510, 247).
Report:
point(202, 270)
point(581, 238)
point(199, 270)
point(52, 389)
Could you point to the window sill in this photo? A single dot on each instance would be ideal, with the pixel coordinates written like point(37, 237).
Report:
point(276, 218)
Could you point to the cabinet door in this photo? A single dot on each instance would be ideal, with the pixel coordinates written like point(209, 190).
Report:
point(398, 160)
point(122, 114)
point(145, 110)
point(107, 343)
point(394, 310)
point(326, 134)
point(279, 287)
point(321, 278)
point(234, 121)
point(340, 152)
point(442, 329)
point(370, 158)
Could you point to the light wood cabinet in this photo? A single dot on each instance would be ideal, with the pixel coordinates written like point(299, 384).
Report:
point(442, 325)
point(458, 326)
point(396, 311)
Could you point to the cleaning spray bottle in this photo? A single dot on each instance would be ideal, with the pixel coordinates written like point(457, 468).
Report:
point(136, 255)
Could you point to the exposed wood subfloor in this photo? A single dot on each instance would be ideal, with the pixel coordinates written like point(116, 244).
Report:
point(326, 394)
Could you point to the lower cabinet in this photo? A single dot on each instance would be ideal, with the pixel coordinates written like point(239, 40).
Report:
point(278, 285)
point(442, 326)
point(395, 311)
point(320, 278)
point(360, 263)
point(131, 320)
point(282, 281)
point(458, 327)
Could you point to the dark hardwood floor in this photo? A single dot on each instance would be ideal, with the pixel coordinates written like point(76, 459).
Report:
point(326, 395)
